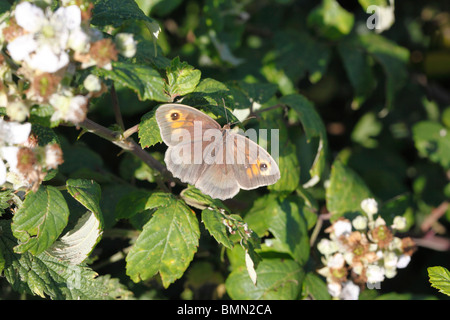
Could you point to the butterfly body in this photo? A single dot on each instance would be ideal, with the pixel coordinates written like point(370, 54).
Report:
point(216, 160)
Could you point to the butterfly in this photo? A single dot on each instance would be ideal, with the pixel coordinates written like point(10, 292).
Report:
point(214, 159)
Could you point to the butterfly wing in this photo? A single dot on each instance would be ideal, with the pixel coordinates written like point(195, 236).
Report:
point(254, 167)
point(218, 179)
point(172, 118)
point(182, 156)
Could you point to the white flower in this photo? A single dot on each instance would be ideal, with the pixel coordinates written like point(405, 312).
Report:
point(126, 44)
point(399, 223)
point(10, 155)
point(327, 247)
point(22, 46)
point(403, 261)
point(350, 291)
point(13, 132)
point(45, 59)
point(29, 17)
point(44, 46)
point(2, 173)
point(68, 107)
point(334, 289)
point(336, 261)
point(17, 111)
point(92, 83)
point(374, 274)
point(71, 16)
point(53, 156)
point(379, 222)
point(369, 206)
point(390, 272)
point(360, 223)
point(390, 260)
point(342, 227)
point(79, 41)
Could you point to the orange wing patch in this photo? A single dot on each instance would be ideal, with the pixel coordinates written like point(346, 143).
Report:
point(177, 118)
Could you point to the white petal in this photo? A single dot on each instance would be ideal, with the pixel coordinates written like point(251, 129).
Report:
point(14, 132)
point(10, 155)
point(403, 261)
point(350, 291)
point(2, 172)
point(22, 46)
point(29, 17)
point(47, 61)
point(71, 16)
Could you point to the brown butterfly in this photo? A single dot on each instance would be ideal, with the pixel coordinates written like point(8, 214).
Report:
point(214, 159)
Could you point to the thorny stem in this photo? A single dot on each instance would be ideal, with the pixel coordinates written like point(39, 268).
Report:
point(116, 108)
point(126, 144)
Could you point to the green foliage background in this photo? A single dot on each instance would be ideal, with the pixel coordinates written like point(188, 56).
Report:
point(360, 115)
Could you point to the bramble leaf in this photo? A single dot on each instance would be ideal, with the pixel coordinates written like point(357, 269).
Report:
point(40, 220)
point(166, 244)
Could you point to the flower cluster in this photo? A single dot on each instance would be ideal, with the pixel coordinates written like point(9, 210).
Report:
point(363, 251)
point(44, 50)
point(23, 163)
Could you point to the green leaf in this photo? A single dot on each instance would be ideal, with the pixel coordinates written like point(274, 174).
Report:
point(366, 129)
point(144, 80)
point(345, 191)
point(181, 78)
point(166, 244)
point(4, 6)
point(132, 204)
point(278, 279)
point(40, 220)
point(314, 127)
point(45, 135)
point(289, 170)
point(213, 221)
point(76, 245)
point(44, 275)
point(289, 227)
point(357, 66)
point(315, 287)
point(432, 140)
point(116, 12)
point(440, 279)
point(331, 20)
point(297, 54)
point(197, 199)
point(210, 92)
point(149, 133)
point(260, 214)
point(392, 57)
point(88, 193)
point(41, 114)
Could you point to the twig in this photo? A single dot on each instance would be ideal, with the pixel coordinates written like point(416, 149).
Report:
point(318, 226)
point(435, 215)
point(126, 144)
point(257, 112)
point(116, 108)
point(433, 242)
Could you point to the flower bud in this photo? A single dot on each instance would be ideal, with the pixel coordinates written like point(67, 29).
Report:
point(17, 111)
point(360, 223)
point(369, 206)
point(126, 44)
point(92, 83)
point(399, 223)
